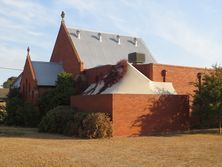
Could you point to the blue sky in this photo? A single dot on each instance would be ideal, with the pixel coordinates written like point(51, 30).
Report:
point(181, 32)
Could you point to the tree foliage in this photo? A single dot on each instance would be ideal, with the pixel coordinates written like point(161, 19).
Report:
point(3, 114)
point(65, 87)
point(19, 112)
point(207, 104)
point(9, 82)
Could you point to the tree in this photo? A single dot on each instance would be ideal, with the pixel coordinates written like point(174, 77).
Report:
point(207, 104)
point(9, 82)
point(19, 112)
point(65, 87)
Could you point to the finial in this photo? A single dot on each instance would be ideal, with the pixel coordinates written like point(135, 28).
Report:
point(28, 50)
point(63, 15)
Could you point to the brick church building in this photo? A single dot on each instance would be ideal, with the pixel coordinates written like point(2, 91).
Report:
point(141, 95)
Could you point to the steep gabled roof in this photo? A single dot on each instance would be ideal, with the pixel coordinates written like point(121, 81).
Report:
point(94, 53)
point(46, 72)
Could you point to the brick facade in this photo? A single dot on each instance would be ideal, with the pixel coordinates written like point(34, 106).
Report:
point(146, 114)
point(181, 77)
point(64, 52)
point(28, 85)
point(97, 72)
point(135, 114)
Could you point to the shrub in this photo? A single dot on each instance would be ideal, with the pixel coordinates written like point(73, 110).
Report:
point(29, 115)
point(65, 87)
point(64, 120)
point(20, 113)
point(3, 114)
point(73, 127)
point(96, 125)
point(13, 102)
point(56, 120)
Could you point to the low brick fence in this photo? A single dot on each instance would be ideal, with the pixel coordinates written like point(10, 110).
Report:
point(139, 114)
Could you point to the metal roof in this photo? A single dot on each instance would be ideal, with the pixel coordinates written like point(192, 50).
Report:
point(94, 52)
point(16, 83)
point(46, 72)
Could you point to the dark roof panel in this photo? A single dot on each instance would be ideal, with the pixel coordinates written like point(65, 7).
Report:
point(46, 72)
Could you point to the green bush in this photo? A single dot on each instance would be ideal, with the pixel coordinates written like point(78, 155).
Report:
point(74, 125)
point(19, 112)
point(60, 95)
point(56, 120)
point(96, 125)
point(29, 115)
point(3, 114)
point(64, 120)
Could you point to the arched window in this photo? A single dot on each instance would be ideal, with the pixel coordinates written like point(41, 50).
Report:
point(164, 73)
point(199, 77)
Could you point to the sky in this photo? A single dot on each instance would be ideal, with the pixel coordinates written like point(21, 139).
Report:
point(179, 32)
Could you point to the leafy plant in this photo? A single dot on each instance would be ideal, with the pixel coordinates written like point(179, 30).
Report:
point(96, 125)
point(3, 114)
point(65, 87)
point(207, 104)
point(19, 112)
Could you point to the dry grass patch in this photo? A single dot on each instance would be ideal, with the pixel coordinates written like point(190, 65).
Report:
point(27, 148)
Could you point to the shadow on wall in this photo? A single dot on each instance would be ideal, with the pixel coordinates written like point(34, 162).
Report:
point(165, 115)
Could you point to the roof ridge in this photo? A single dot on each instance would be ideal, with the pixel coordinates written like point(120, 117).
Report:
point(103, 32)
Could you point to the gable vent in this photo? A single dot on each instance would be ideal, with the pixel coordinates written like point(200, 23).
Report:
point(100, 37)
point(78, 34)
point(118, 39)
point(135, 41)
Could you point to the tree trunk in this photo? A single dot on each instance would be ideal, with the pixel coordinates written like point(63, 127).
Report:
point(220, 117)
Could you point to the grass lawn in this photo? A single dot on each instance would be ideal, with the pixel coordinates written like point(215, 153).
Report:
point(27, 148)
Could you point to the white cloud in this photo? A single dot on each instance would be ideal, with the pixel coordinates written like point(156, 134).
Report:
point(184, 35)
point(24, 23)
point(32, 23)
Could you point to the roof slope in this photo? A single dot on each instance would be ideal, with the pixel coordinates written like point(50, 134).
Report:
point(95, 53)
point(16, 83)
point(46, 72)
point(133, 82)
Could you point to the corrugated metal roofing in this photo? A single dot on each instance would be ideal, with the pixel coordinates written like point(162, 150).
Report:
point(17, 82)
point(46, 72)
point(95, 53)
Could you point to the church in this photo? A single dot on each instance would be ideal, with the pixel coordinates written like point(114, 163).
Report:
point(124, 80)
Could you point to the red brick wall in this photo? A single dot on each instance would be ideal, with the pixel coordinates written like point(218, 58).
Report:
point(43, 89)
point(92, 73)
point(146, 69)
point(96, 103)
point(64, 52)
point(148, 114)
point(181, 77)
point(28, 86)
point(139, 114)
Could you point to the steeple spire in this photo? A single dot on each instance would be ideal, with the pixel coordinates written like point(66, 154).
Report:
point(63, 16)
point(28, 51)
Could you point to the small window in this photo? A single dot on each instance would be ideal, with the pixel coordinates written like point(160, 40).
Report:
point(164, 73)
